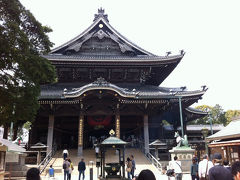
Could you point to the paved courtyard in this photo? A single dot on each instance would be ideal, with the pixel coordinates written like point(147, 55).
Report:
point(75, 177)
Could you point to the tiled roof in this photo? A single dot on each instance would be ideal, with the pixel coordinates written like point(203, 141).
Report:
point(56, 91)
point(215, 127)
point(193, 110)
point(199, 127)
point(230, 131)
point(60, 57)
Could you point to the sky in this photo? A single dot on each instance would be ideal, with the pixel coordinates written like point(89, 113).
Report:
point(207, 30)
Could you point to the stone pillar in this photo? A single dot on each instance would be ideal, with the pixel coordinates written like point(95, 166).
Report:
point(50, 133)
point(146, 133)
point(117, 128)
point(80, 135)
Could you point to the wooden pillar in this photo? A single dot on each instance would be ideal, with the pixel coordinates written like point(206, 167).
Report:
point(80, 135)
point(50, 133)
point(117, 128)
point(146, 133)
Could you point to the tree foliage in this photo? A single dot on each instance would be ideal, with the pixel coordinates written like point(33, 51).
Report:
point(230, 114)
point(204, 120)
point(216, 114)
point(22, 69)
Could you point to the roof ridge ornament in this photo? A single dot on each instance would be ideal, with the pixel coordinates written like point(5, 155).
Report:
point(101, 15)
point(100, 81)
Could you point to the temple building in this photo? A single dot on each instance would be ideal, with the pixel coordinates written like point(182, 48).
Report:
point(107, 82)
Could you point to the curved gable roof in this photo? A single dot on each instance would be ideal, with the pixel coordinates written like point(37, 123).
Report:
point(101, 28)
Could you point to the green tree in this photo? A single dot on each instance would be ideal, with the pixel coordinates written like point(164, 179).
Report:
point(230, 114)
point(205, 119)
point(216, 113)
point(22, 68)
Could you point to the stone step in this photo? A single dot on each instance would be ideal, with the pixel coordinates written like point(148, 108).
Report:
point(18, 173)
point(89, 155)
point(16, 168)
point(15, 178)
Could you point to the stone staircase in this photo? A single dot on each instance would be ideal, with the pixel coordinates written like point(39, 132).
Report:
point(89, 155)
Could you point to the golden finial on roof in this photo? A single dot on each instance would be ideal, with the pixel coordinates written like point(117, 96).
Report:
point(112, 132)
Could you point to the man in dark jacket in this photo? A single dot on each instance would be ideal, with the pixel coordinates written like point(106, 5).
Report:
point(81, 168)
point(218, 171)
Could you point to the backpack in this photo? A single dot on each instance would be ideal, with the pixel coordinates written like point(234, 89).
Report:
point(64, 166)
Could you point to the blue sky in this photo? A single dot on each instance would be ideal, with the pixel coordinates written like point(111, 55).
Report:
point(207, 30)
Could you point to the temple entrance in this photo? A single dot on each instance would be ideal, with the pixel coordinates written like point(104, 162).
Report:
point(96, 129)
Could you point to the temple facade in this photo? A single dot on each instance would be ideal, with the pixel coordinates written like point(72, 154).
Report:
point(107, 82)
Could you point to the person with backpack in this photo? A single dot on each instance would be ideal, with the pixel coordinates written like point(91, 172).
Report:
point(66, 166)
point(81, 168)
point(176, 165)
point(203, 168)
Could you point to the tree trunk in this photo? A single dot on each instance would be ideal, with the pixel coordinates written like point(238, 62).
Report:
point(6, 128)
point(15, 130)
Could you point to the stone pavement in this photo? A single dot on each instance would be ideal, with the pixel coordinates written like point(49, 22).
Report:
point(75, 177)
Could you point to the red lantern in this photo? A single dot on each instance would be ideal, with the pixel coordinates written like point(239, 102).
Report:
point(99, 120)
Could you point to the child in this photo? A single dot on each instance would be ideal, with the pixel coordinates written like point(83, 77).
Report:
point(51, 171)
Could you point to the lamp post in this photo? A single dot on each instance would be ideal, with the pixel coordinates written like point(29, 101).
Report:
point(91, 169)
point(98, 164)
point(210, 120)
point(180, 113)
point(205, 133)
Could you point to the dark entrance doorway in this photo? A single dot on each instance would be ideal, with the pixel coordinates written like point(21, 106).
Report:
point(96, 129)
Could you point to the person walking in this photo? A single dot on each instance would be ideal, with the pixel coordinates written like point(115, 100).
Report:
point(194, 169)
point(81, 168)
point(70, 169)
point(133, 165)
point(218, 172)
point(129, 167)
point(66, 166)
point(203, 168)
point(51, 171)
point(97, 150)
point(176, 165)
point(65, 154)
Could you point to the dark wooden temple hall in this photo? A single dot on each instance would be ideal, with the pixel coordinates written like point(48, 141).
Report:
point(107, 82)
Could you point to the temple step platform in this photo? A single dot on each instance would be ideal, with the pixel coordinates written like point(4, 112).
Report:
point(89, 155)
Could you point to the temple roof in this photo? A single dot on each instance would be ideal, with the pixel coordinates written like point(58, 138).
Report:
point(129, 90)
point(101, 41)
point(228, 132)
point(113, 141)
point(126, 93)
point(101, 30)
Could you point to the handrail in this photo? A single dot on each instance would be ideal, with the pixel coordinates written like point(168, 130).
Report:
point(46, 160)
point(154, 161)
point(150, 157)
